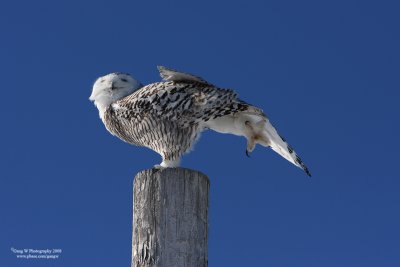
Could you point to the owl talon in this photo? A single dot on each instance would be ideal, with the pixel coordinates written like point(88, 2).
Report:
point(158, 167)
point(247, 153)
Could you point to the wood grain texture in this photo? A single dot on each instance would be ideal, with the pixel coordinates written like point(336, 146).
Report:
point(170, 218)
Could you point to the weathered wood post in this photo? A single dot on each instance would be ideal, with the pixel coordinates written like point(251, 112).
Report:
point(170, 218)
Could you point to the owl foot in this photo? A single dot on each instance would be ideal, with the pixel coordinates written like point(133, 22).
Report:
point(168, 164)
point(158, 167)
point(251, 144)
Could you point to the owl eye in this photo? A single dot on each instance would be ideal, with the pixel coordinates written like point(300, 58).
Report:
point(124, 80)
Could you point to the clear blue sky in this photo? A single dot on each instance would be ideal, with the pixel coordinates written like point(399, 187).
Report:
point(326, 73)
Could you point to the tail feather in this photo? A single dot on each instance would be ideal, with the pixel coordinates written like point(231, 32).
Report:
point(280, 146)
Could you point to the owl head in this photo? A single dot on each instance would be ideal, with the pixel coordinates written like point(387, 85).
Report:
point(112, 87)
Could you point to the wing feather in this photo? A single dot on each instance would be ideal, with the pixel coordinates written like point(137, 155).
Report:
point(177, 76)
point(280, 146)
point(181, 102)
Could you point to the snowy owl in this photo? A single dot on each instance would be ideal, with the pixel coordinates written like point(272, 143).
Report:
point(169, 116)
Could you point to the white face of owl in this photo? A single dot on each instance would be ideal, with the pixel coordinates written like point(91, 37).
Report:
point(112, 87)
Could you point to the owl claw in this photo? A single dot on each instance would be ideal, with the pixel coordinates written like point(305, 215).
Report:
point(247, 153)
point(158, 167)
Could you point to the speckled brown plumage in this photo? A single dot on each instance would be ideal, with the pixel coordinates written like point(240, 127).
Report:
point(168, 117)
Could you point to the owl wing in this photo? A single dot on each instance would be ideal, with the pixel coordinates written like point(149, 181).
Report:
point(186, 102)
point(176, 76)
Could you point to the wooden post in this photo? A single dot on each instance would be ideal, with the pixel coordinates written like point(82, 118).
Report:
point(170, 218)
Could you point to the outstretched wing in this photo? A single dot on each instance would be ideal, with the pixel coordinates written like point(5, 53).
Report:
point(177, 76)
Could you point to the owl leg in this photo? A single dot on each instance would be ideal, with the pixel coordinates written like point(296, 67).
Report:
point(251, 142)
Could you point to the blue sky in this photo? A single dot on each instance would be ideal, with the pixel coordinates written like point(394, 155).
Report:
point(326, 73)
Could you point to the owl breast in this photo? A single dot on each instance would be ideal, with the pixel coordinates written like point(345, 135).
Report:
point(166, 137)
